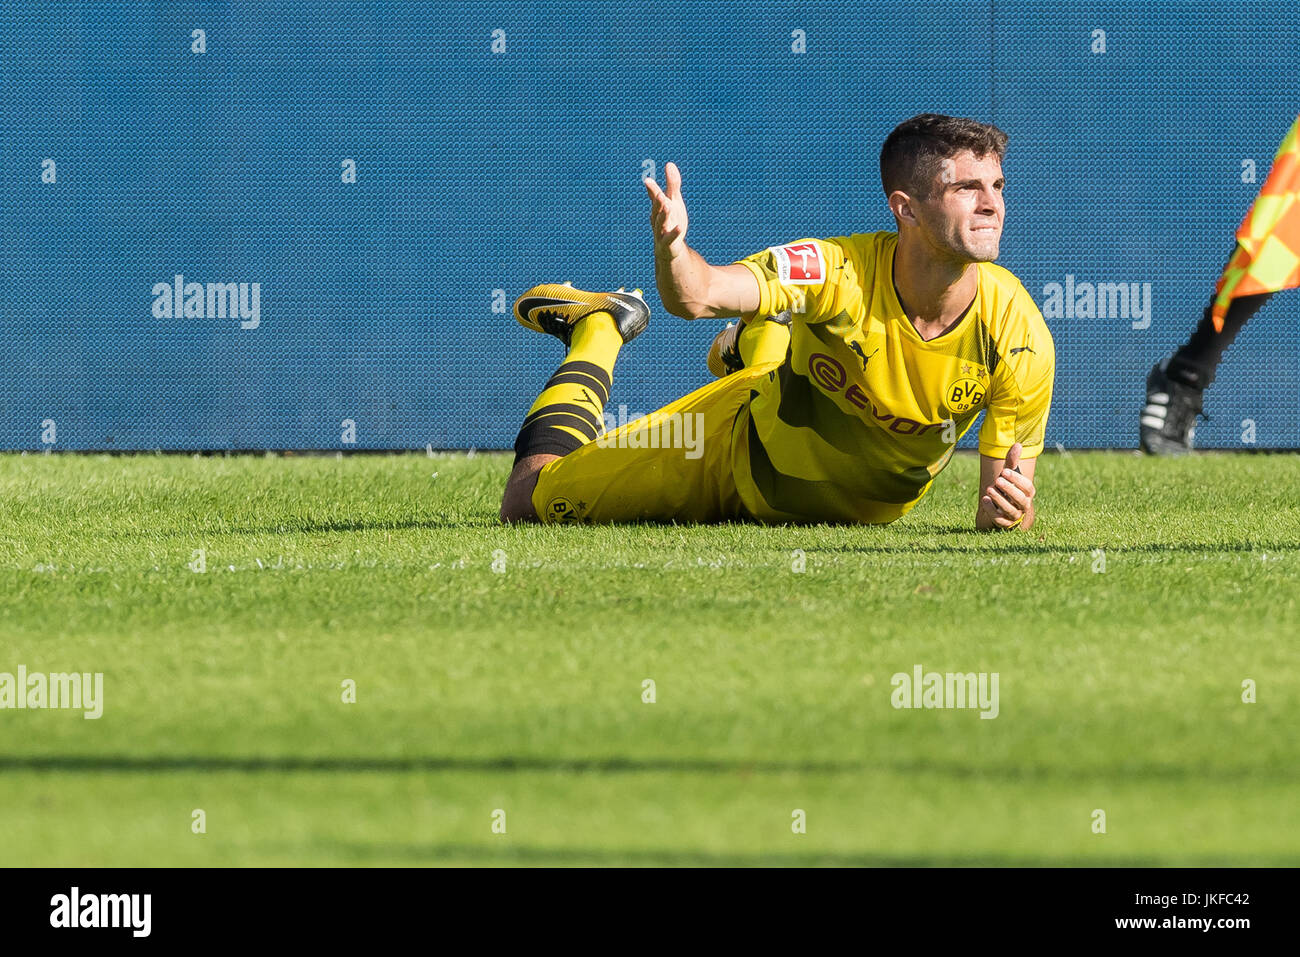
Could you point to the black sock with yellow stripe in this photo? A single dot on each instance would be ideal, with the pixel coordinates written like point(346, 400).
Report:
point(569, 411)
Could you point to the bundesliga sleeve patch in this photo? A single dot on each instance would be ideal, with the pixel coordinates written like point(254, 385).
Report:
point(799, 264)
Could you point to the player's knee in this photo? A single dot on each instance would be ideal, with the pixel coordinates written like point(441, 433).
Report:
point(512, 512)
point(517, 500)
point(516, 508)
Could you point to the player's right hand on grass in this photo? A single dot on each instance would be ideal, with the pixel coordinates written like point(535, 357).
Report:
point(667, 213)
point(1005, 503)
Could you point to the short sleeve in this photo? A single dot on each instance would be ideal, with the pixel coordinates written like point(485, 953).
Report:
point(1021, 394)
point(802, 277)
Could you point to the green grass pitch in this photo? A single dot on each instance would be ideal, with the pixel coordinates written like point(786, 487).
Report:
point(521, 688)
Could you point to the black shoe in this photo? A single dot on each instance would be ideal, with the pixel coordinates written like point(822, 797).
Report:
point(554, 308)
point(1168, 422)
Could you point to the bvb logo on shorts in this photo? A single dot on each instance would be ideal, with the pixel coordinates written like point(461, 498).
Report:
point(964, 394)
point(561, 510)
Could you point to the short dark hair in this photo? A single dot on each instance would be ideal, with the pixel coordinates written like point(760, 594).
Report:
point(914, 152)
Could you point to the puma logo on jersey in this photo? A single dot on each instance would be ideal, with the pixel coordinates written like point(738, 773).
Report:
point(1022, 349)
point(861, 355)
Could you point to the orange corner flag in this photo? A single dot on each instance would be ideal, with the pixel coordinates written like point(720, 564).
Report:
point(1267, 257)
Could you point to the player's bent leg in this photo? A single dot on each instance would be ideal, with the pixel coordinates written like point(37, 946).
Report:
point(674, 464)
point(765, 341)
point(568, 412)
point(747, 344)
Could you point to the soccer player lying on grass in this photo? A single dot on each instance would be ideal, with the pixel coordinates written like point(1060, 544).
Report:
point(859, 363)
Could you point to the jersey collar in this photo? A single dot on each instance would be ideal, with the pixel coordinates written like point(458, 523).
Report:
point(909, 330)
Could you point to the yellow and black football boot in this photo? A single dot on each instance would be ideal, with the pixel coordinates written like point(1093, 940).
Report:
point(554, 308)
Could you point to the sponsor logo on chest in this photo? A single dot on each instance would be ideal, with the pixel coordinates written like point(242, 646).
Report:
point(831, 377)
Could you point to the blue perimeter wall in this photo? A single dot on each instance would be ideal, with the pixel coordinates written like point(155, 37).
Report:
point(479, 173)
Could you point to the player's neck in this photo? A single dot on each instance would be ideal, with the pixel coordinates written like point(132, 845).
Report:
point(934, 292)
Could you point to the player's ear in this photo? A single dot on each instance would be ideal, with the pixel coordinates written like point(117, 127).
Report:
point(900, 204)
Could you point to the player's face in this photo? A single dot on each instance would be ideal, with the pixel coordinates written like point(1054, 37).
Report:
point(964, 212)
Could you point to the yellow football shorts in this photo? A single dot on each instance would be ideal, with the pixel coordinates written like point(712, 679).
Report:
point(674, 464)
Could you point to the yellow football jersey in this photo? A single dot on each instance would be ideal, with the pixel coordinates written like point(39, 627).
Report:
point(864, 413)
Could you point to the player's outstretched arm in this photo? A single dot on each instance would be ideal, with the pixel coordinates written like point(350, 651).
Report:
point(688, 285)
point(1007, 492)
